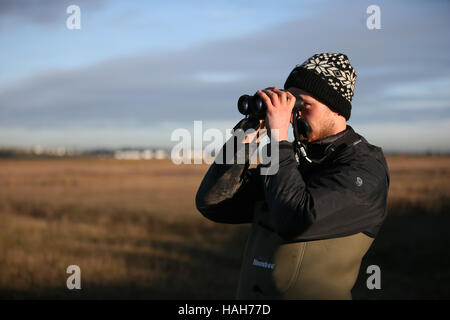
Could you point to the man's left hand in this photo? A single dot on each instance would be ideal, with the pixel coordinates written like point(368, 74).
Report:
point(279, 110)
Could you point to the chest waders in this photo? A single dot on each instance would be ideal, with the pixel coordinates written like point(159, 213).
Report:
point(275, 269)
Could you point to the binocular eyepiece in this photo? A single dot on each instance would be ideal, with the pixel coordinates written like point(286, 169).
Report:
point(254, 106)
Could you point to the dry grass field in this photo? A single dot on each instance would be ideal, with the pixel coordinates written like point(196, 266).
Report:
point(133, 229)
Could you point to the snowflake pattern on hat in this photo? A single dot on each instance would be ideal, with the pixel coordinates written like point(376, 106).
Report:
point(336, 69)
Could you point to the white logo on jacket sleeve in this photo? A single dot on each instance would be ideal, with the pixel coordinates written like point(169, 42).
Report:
point(263, 264)
point(359, 181)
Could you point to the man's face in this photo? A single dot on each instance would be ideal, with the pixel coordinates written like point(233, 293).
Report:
point(319, 116)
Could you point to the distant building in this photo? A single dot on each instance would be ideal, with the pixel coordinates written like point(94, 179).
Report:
point(38, 150)
point(137, 155)
point(147, 154)
point(161, 154)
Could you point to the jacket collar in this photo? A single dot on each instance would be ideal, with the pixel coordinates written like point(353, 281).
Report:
point(323, 148)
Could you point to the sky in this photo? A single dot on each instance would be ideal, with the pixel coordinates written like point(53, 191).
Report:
point(138, 70)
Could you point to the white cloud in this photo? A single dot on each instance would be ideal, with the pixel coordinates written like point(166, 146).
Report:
point(417, 136)
point(217, 77)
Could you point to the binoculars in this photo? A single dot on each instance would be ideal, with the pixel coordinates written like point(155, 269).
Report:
point(254, 106)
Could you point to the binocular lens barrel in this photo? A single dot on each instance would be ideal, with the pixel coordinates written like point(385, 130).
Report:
point(255, 107)
point(252, 105)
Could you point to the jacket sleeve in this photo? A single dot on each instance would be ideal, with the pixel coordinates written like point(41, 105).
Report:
point(228, 191)
point(343, 199)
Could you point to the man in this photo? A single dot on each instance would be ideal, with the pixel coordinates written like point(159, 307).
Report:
point(315, 219)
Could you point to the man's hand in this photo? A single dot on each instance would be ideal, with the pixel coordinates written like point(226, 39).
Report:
point(279, 110)
point(258, 134)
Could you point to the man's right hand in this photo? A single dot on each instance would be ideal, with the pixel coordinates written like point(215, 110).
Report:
point(258, 134)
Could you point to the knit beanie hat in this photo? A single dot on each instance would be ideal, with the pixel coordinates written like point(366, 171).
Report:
point(329, 77)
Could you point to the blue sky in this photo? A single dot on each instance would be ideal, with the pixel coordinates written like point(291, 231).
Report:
point(119, 28)
point(137, 70)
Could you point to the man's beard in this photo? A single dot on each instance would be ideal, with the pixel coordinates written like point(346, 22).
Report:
point(325, 129)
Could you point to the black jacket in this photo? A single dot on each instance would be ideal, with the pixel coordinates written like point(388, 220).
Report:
point(344, 194)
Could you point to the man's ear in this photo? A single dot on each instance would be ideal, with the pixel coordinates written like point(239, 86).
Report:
point(335, 114)
point(338, 117)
